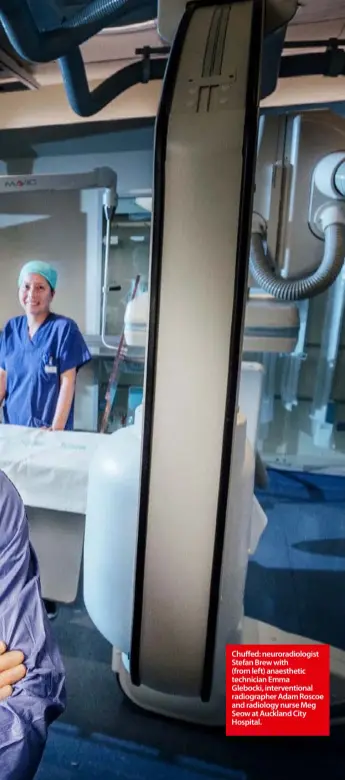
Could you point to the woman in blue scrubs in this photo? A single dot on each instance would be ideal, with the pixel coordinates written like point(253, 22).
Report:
point(40, 355)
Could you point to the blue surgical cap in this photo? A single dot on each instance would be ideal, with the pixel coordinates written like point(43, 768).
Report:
point(41, 268)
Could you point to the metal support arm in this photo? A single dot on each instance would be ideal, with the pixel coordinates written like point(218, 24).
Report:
point(100, 178)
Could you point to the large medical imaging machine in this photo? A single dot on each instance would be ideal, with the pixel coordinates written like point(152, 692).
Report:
point(168, 503)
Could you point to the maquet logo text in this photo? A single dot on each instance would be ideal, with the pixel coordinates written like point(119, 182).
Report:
point(18, 183)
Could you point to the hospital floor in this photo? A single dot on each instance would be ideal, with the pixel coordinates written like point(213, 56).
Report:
point(295, 582)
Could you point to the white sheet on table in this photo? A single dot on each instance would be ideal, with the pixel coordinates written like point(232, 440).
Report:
point(49, 469)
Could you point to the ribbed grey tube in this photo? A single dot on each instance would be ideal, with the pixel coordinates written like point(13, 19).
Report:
point(105, 10)
point(299, 289)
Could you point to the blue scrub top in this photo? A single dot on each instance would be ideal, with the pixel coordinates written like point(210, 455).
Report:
point(34, 367)
point(40, 698)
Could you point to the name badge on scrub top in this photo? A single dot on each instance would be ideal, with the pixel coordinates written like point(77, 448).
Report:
point(50, 368)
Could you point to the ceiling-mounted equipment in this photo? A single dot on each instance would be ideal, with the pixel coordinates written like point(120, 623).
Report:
point(15, 73)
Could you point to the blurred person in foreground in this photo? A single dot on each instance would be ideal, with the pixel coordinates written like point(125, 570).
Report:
point(32, 675)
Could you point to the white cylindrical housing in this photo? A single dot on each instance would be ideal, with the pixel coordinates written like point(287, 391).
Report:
point(324, 174)
point(111, 527)
point(339, 179)
point(110, 551)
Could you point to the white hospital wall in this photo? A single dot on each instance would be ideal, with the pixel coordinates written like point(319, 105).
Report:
point(54, 227)
point(48, 227)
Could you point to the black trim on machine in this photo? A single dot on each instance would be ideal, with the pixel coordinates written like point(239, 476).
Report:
point(241, 275)
point(161, 139)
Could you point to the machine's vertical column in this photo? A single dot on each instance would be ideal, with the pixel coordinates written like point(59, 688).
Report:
point(204, 171)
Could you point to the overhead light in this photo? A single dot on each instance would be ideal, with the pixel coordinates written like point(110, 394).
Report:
point(144, 203)
point(130, 28)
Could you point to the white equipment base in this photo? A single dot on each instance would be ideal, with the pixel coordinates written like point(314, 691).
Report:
point(213, 714)
point(108, 584)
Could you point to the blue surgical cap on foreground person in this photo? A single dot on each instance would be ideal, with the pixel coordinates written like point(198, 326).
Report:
point(39, 698)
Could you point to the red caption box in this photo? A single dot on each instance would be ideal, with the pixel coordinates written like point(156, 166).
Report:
point(277, 690)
